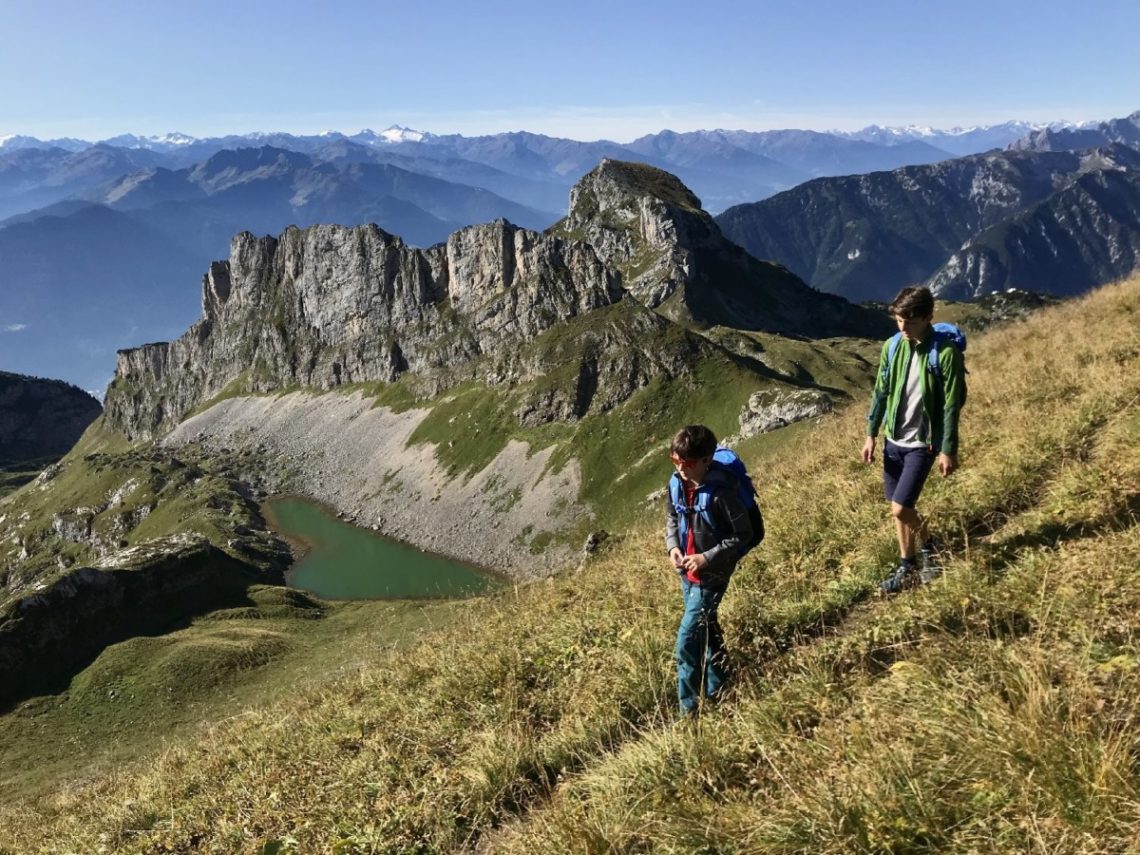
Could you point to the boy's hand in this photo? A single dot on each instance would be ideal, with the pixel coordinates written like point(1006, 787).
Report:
point(675, 556)
point(869, 450)
point(694, 563)
point(947, 463)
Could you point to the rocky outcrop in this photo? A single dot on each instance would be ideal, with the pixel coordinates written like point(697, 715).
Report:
point(643, 222)
point(671, 255)
point(769, 410)
point(328, 306)
point(41, 418)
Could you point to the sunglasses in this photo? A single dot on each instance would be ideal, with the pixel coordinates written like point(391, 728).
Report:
point(685, 462)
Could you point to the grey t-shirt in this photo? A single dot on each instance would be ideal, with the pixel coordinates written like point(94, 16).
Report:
point(910, 419)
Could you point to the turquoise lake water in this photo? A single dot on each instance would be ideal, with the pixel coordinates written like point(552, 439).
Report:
point(345, 562)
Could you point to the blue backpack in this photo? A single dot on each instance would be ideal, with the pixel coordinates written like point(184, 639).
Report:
point(944, 334)
point(746, 492)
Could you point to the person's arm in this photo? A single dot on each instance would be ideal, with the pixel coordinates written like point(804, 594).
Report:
point(879, 396)
point(953, 367)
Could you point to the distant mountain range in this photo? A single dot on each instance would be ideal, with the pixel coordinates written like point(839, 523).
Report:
point(41, 418)
point(103, 242)
point(1037, 216)
point(962, 141)
point(723, 167)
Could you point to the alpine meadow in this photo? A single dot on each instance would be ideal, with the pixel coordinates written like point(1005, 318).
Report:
point(696, 431)
point(537, 720)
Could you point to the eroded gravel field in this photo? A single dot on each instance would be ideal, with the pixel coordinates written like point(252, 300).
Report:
point(341, 451)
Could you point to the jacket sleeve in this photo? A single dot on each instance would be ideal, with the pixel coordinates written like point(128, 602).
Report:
point(732, 515)
point(879, 394)
point(953, 367)
point(672, 534)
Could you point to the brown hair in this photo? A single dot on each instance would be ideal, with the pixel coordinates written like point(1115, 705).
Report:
point(693, 442)
point(912, 302)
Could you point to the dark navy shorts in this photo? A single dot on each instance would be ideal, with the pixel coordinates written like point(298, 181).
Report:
point(904, 472)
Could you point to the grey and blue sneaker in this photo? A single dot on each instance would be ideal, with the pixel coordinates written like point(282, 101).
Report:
point(904, 576)
point(930, 566)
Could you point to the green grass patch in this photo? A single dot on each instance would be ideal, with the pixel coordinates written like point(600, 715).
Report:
point(470, 425)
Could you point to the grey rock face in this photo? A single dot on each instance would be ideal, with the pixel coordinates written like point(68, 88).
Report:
point(329, 305)
point(767, 411)
point(672, 257)
point(644, 222)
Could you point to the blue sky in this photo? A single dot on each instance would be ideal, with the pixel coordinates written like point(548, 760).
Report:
point(584, 70)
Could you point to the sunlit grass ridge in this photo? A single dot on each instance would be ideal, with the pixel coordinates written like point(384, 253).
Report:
point(993, 711)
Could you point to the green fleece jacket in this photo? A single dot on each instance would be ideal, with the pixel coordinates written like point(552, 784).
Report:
point(941, 406)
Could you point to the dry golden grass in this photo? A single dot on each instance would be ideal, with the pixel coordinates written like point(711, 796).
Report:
point(993, 711)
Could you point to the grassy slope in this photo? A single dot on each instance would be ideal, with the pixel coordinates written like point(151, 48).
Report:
point(143, 693)
point(995, 710)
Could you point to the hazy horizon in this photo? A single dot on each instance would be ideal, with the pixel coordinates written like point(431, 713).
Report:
point(597, 70)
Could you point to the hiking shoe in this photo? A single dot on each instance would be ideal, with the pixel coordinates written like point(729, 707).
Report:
point(905, 576)
point(930, 567)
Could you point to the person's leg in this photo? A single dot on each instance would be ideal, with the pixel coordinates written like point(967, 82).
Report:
point(690, 648)
point(911, 529)
point(913, 467)
point(716, 656)
point(904, 472)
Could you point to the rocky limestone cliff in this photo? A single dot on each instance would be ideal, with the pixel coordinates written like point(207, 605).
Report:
point(41, 418)
point(328, 305)
point(671, 256)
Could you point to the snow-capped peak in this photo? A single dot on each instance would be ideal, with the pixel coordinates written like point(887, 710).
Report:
point(397, 133)
point(390, 135)
point(174, 138)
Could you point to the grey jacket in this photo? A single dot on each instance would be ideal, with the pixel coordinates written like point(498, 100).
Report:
point(720, 546)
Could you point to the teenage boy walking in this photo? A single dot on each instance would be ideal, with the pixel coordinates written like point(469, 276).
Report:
point(705, 531)
point(920, 414)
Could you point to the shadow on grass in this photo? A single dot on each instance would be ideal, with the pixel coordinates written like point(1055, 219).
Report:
point(45, 641)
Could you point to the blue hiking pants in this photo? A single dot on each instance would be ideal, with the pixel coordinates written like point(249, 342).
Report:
point(700, 652)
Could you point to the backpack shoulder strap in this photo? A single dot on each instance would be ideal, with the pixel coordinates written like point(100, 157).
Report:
point(892, 348)
point(703, 504)
point(675, 494)
point(933, 355)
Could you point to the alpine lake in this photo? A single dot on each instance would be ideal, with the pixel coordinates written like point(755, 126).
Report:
point(341, 561)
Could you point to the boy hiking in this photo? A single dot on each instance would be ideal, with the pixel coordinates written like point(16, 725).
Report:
point(919, 392)
point(707, 528)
